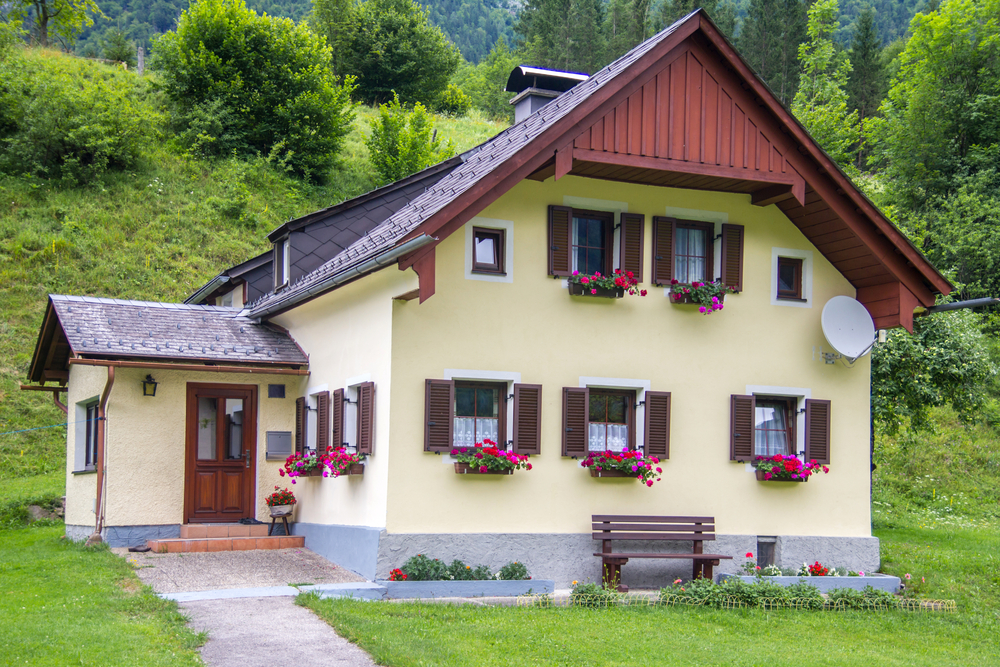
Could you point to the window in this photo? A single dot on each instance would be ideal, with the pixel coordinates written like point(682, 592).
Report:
point(480, 413)
point(592, 241)
point(789, 278)
point(774, 426)
point(281, 262)
point(488, 250)
point(693, 260)
point(90, 438)
point(611, 420)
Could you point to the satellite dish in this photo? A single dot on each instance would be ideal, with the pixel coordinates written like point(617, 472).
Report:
point(848, 327)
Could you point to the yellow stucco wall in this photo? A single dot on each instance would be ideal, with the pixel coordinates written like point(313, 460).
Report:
point(532, 326)
point(85, 384)
point(146, 440)
point(348, 336)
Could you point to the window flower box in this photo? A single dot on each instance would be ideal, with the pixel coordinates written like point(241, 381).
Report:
point(608, 287)
point(467, 469)
point(629, 463)
point(780, 468)
point(709, 296)
point(487, 459)
point(576, 289)
point(610, 473)
point(339, 462)
point(298, 465)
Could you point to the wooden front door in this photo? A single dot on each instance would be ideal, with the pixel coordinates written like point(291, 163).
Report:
point(220, 452)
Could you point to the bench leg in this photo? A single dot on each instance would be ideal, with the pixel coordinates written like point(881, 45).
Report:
point(707, 570)
point(611, 575)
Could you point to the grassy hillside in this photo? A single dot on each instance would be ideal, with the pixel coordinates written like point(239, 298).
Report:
point(155, 233)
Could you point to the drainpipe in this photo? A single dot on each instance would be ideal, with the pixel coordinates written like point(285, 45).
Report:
point(59, 404)
point(102, 434)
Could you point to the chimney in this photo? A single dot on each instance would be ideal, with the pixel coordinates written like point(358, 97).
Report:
point(536, 87)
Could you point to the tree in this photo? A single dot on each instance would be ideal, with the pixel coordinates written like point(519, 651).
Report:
point(334, 19)
point(395, 49)
point(671, 10)
point(64, 18)
point(563, 34)
point(624, 26)
point(118, 48)
point(268, 79)
point(403, 143)
point(945, 362)
point(769, 40)
point(484, 83)
point(821, 101)
point(867, 84)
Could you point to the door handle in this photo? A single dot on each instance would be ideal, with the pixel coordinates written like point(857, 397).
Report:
point(248, 459)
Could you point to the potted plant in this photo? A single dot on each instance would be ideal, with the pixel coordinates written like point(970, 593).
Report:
point(281, 502)
point(339, 461)
point(298, 465)
point(708, 296)
point(780, 468)
point(609, 287)
point(487, 459)
point(630, 463)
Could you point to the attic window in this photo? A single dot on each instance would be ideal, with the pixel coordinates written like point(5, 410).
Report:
point(488, 250)
point(281, 263)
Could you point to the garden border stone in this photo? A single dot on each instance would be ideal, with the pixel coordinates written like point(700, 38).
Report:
point(883, 582)
point(396, 590)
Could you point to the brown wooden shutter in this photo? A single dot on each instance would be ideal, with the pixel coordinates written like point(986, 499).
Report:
point(663, 250)
point(576, 418)
point(658, 424)
point(630, 246)
point(528, 419)
point(817, 430)
point(741, 434)
point(439, 425)
point(732, 256)
point(300, 425)
point(322, 421)
point(366, 417)
point(338, 418)
point(560, 231)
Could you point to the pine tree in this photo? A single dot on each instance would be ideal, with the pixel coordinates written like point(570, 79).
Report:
point(563, 34)
point(334, 19)
point(725, 18)
point(867, 85)
point(671, 10)
point(625, 26)
point(769, 40)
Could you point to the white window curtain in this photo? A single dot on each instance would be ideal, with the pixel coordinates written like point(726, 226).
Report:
point(690, 242)
point(603, 437)
point(771, 432)
point(469, 430)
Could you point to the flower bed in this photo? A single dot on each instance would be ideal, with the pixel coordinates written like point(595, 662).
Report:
point(881, 582)
point(629, 463)
point(488, 459)
point(397, 590)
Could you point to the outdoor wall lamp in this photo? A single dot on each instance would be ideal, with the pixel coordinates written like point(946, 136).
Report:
point(149, 386)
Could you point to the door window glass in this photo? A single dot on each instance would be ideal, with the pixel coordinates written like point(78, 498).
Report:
point(207, 428)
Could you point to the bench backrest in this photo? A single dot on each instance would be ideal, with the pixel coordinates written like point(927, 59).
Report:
point(624, 527)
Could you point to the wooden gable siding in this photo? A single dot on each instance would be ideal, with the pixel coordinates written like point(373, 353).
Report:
point(682, 113)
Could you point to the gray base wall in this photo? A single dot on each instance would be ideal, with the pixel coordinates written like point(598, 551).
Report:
point(565, 558)
point(125, 536)
point(353, 548)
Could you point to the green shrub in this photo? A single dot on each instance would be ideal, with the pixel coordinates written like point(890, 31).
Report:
point(62, 118)
point(515, 571)
point(807, 595)
point(481, 573)
point(867, 598)
point(118, 48)
point(593, 595)
point(459, 571)
point(404, 142)
point(272, 76)
point(422, 568)
point(453, 101)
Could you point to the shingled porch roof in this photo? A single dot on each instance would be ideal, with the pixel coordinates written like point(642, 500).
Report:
point(717, 127)
point(95, 328)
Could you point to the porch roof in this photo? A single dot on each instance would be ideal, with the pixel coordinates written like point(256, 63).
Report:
point(92, 327)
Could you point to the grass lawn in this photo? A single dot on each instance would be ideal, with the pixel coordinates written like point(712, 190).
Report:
point(62, 604)
point(957, 564)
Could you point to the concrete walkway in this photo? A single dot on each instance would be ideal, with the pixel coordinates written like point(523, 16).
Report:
point(263, 632)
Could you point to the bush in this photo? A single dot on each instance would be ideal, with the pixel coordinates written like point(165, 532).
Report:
point(422, 568)
point(70, 119)
point(272, 77)
point(459, 571)
point(118, 48)
point(866, 599)
point(403, 143)
point(453, 101)
point(514, 572)
point(592, 595)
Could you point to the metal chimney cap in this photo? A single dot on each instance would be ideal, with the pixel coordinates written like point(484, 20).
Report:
point(523, 77)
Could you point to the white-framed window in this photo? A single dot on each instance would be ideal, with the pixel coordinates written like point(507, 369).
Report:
point(85, 435)
point(588, 225)
point(489, 250)
point(791, 277)
point(481, 409)
point(615, 413)
point(282, 264)
point(779, 419)
point(697, 249)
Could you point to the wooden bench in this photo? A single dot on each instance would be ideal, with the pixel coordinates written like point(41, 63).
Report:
point(614, 528)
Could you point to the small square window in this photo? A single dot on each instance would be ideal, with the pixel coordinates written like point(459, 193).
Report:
point(275, 391)
point(488, 250)
point(611, 420)
point(789, 278)
point(480, 413)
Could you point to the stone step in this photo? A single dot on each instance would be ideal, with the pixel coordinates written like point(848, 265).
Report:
point(205, 530)
point(197, 545)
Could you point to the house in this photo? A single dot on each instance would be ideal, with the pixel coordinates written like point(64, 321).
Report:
point(435, 312)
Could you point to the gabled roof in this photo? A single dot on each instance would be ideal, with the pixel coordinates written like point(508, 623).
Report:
point(91, 327)
point(790, 168)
